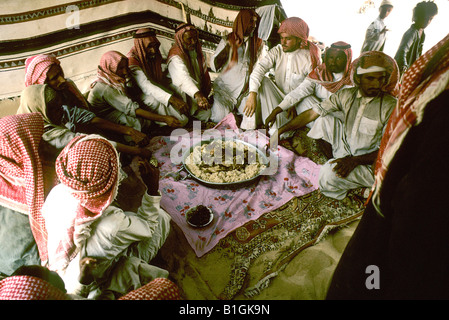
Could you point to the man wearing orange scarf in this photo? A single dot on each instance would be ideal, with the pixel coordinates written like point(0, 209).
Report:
point(292, 61)
point(150, 84)
point(188, 70)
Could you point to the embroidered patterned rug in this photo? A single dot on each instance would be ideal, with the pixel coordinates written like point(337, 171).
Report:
point(246, 261)
point(288, 176)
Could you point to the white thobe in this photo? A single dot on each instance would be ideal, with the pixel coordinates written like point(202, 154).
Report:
point(290, 70)
point(156, 98)
point(308, 88)
point(187, 85)
point(113, 105)
point(228, 86)
point(374, 39)
point(134, 238)
point(354, 126)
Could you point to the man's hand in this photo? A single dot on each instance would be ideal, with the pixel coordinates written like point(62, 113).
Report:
point(144, 153)
point(251, 104)
point(271, 119)
point(87, 270)
point(140, 138)
point(172, 122)
point(291, 113)
point(344, 166)
point(150, 176)
point(179, 105)
point(202, 101)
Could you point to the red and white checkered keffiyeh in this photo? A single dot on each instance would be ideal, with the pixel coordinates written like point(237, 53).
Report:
point(36, 68)
point(324, 77)
point(423, 81)
point(29, 288)
point(158, 289)
point(21, 176)
point(89, 166)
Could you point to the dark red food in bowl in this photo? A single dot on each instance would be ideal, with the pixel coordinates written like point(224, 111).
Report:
point(199, 216)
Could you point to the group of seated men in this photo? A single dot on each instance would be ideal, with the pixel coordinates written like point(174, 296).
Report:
point(346, 105)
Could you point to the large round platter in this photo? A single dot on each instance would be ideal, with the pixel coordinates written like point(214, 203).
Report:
point(226, 185)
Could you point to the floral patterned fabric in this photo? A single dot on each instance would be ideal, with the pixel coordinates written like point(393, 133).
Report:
point(294, 176)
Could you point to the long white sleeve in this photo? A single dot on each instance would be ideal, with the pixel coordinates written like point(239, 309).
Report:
point(261, 68)
point(305, 89)
point(181, 77)
point(149, 88)
point(117, 229)
point(221, 46)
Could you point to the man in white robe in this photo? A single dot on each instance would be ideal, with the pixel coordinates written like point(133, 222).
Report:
point(320, 84)
point(188, 70)
point(376, 34)
point(292, 61)
point(89, 239)
point(149, 82)
point(235, 58)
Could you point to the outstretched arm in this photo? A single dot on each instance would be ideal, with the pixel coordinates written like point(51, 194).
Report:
point(299, 121)
point(138, 137)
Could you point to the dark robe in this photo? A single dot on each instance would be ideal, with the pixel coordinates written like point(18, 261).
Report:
point(409, 245)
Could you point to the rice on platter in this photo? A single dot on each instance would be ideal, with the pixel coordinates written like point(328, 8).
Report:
point(224, 161)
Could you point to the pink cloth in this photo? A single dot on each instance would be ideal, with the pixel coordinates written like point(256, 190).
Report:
point(296, 176)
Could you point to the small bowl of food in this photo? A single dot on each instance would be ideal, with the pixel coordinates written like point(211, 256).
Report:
point(199, 216)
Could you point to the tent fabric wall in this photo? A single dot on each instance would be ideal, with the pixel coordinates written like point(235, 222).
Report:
point(79, 32)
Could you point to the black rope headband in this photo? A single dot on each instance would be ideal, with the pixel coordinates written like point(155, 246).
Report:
point(145, 34)
point(334, 46)
point(184, 26)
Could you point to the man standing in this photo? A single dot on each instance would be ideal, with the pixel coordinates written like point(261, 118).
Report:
point(412, 42)
point(292, 61)
point(188, 71)
point(352, 121)
point(376, 33)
